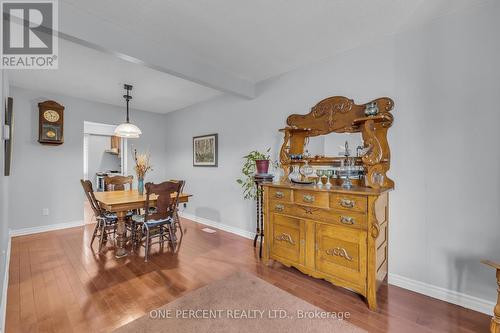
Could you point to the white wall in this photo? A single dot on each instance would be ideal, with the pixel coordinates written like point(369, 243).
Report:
point(98, 159)
point(4, 202)
point(445, 80)
point(48, 176)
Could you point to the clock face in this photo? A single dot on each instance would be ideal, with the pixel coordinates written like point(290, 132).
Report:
point(51, 116)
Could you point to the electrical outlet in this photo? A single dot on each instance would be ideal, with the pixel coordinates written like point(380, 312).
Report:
point(45, 212)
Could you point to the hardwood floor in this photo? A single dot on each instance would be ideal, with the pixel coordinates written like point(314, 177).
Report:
point(58, 284)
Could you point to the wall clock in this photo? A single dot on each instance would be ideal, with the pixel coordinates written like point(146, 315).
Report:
point(51, 123)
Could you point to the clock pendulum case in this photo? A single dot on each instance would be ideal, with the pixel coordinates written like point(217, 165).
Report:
point(51, 123)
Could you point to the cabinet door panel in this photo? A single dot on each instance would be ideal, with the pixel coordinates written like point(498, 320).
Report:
point(341, 252)
point(286, 238)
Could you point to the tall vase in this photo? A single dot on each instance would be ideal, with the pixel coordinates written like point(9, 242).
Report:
point(140, 186)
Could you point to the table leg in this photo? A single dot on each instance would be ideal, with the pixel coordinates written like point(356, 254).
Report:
point(495, 320)
point(120, 251)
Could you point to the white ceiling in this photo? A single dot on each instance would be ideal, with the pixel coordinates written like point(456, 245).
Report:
point(258, 39)
point(249, 40)
point(98, 76)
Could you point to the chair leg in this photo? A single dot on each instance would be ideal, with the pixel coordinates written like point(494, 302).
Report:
point(160, 237)
point(102, 236)
point(147, 245)
point(138, 238)
point(133, 234)
point(94, 233)
point(178, 222)
point(171, 234)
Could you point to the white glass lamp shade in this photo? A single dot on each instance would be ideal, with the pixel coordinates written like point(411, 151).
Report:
point(127, 130)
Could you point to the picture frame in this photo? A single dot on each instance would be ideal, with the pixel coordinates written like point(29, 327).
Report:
point(8, 128)
point(206, 150)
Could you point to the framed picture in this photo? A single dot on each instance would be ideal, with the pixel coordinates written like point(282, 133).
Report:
point(205, 150)
point(7, 135)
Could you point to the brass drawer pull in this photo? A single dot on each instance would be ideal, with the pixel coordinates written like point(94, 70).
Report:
point(347, 220)
point(279, 208)
point(279, 195)
point(346, 203)
point(308, 198)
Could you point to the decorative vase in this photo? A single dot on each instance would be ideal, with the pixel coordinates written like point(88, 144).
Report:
point(262, 166)
point(306, 170)
point(140, 186)
point(295, 174)
point(371, 109)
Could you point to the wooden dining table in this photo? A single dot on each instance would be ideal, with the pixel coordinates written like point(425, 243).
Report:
point(120, 203)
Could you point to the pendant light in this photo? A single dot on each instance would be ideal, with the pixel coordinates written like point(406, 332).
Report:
point(127, 130)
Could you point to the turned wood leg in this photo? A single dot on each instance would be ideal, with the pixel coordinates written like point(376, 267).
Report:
point(120, 251)
point(495, 320)
point(257, 232)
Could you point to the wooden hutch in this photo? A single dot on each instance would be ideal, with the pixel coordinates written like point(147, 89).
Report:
point(330, 232)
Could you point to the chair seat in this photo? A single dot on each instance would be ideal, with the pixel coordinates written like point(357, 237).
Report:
point(112, 216)
point(140, 219)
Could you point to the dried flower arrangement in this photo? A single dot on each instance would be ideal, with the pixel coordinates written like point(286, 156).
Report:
point(142, 164)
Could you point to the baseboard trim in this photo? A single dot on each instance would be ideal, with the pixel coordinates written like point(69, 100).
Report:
point(3, 304)
point(44, 228)
point(218, 225)
point(443, 294)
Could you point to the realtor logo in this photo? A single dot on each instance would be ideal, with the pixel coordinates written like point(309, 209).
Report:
point(29, 39)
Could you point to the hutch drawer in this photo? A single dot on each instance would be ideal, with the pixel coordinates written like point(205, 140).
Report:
point(340, 252)
point(311, 198)
point(282, 207)
point(356, 203)
point(280, 194)
point(348, 219)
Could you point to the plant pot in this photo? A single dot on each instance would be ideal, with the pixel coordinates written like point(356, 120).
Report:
point(262, 166)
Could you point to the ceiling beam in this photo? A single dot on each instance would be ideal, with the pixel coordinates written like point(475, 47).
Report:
point(87, 30)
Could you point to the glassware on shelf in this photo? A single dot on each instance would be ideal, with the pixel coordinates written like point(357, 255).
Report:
point(348, 170)
point(295, 174)
point(320, 173)
point(278, 172)
point(379, 178)
point(328, 174)
point(306, 170)
point(347, 183)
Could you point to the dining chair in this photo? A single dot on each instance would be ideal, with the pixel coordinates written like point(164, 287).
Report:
point(105, 222)
point(117, 183)
point(176, 214)
point(160, 222)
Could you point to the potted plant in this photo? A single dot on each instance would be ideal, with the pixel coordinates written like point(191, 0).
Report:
point(255, 162)
point(142, 165)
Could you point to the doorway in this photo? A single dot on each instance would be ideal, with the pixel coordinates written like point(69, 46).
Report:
point(103, 155)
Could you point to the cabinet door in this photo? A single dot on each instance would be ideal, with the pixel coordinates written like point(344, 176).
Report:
point(341, 253)
point(287, 238)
